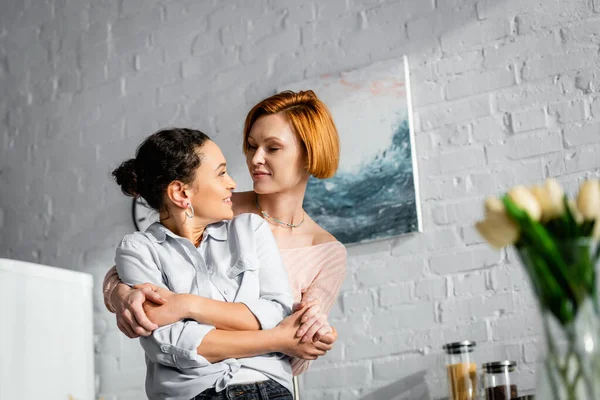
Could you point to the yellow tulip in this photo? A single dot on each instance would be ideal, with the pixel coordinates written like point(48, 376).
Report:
point(588, 199)
point(550, 197)
point(526, 201)
point(577, 216)
point(497, 228)
point(494, 205)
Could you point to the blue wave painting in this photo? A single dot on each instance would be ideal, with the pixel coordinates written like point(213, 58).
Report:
point(377, 202)
point(374, 194)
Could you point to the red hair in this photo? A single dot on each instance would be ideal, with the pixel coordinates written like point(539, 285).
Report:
point(311, 120)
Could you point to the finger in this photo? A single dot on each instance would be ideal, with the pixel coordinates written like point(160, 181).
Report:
point(310, 312)
point(141, 331)
point(122, 330)
point(319, 352)
point(298, 306)
point(309, 357)
point(306, 305)
point(321, 346)
point(154, 296)
point(305, 326)
point(328, 339)
point(126, 330)
point(312, 330)
point(298, 314)
point(325, 329)
point(146, 285)
point(142, 319)
point(126, 317)
point(132, 324)
point(137, 329)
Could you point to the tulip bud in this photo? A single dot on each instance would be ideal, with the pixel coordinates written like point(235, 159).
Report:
point(588, 200)
point(575, 212)
point(550, 197)
point(497, 228)
point(493, 205)
point(526, 201)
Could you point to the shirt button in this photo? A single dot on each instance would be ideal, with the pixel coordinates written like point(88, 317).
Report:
point(225, 291)
point(164, 348)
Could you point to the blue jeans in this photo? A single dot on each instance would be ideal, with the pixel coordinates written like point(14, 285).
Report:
point(266, 390)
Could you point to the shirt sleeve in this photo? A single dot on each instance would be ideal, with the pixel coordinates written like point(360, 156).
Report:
point(136, 262)
point(172, 345)
point(275, 300)
point(176, 345)
point(111, 280)
point(325, 289)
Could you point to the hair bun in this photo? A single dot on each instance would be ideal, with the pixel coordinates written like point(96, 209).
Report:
point(127, 177)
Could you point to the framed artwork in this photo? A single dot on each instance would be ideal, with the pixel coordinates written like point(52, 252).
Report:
point(374, 194)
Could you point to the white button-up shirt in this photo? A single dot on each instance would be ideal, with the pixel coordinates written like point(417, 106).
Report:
point(238, 258)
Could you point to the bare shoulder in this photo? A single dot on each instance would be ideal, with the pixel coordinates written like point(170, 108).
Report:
point(243, 202)
point(320, 235)
point(337, 255)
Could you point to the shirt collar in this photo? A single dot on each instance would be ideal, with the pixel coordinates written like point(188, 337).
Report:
point(159, 232)
point(217, 230)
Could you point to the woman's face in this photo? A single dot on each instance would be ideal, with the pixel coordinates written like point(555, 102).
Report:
point(276, 158)
point(210, 192)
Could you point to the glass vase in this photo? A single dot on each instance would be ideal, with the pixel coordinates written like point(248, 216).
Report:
point(565, 288)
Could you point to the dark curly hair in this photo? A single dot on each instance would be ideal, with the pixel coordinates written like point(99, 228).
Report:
point(165, 156)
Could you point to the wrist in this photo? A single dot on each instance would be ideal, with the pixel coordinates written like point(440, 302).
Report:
point(277, 340)
point(118, 294)
point(187, 307)
point(192, 306)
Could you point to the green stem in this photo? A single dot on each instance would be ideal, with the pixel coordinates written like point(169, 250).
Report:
point(540, 242)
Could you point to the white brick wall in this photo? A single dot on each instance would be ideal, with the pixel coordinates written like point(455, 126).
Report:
point(506, 91)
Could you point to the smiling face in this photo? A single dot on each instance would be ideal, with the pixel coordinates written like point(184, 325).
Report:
point(275, 156)
point(210, 192)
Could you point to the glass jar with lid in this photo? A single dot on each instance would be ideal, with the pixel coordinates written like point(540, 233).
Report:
point(462, 370)
point(499, 381)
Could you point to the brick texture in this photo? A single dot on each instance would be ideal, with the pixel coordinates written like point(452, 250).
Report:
point(505, 92)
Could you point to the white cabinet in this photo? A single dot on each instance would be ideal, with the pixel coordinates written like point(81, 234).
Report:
point(46, 331)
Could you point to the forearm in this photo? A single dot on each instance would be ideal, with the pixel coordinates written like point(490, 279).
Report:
point(299, 366)
point(109, 286)
point(220, 314)
point(219, 345)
